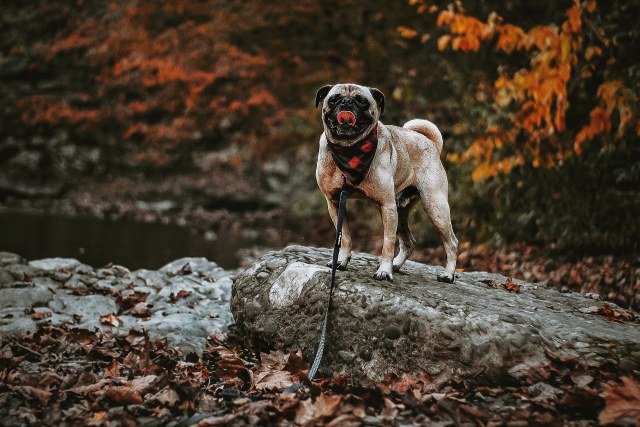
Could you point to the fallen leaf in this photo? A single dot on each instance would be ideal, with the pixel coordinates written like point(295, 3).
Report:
point(508, 285)
point(38, 315)
point(232, 369)
point(29, 392)
point(89, 389)
point(123, 395)
point(136, 338)
point(111, 320)
point(562, 360)
point(113, 370)
point(99, 416)
point(296, 363)
point(273, 360)
point(272, 380)
point(622, 403)
point(167, 396)
point(323, 406)
point(142, 385)
point(472, 412)
point(179, 295)
point(140, 309)
point(131, 299)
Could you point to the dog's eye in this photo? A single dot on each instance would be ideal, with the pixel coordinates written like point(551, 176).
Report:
point(362, 101)
point(333, 99)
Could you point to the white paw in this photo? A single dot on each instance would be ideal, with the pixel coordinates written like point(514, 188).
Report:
point(383, 274)
point(342, 264)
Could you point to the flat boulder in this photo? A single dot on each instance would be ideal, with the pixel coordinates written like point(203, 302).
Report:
point(482, 327)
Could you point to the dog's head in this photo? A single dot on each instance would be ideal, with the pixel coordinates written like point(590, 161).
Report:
point(349, 111)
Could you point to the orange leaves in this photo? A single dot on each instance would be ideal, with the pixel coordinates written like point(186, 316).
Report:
point(152, 74)
point(613, 95)
point(574, 20)
point(407, 32)
point(467, 31)
point(509, 37)
point(45, 109)
point(531, 103)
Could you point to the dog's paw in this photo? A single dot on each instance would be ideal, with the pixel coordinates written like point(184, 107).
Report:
point(445, 278)
point(383, 275)
point(342, 266)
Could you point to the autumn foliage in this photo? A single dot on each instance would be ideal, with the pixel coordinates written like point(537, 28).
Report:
point(154, 86)
point(528, 96)
point(561, 65)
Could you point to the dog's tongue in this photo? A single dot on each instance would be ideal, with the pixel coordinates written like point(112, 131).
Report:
point(346, 117)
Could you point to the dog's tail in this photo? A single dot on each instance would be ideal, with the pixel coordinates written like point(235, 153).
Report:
point(428, 129)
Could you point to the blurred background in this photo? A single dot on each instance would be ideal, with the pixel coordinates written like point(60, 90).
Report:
point(137, 132)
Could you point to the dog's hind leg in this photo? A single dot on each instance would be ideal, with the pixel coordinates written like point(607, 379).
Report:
point(433, 192)
point(406, 241)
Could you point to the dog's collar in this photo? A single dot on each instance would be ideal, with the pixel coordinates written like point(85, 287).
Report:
point(354, 160)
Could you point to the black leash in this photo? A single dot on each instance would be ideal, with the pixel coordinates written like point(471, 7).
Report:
point(334, 265)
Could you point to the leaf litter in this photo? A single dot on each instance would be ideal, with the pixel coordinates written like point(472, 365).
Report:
point(67, 376)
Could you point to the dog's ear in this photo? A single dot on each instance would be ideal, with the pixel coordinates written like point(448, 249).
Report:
point(379, 97)
point(322, 93)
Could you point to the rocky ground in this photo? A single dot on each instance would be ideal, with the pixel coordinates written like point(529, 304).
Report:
point(184, 301)
point(97, 346)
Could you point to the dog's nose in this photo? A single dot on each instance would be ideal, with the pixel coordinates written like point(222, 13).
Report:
point(347, 101)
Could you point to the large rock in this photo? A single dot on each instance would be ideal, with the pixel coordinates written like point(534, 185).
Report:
point(418, 325)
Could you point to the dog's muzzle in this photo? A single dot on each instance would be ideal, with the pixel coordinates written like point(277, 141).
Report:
point(346, 117)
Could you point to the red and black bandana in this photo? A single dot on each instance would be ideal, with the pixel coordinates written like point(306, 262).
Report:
point(354, 160)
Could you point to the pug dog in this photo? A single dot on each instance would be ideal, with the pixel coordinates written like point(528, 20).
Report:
point(391, 165)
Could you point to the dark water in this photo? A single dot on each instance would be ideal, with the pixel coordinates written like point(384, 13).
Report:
point(98, 242)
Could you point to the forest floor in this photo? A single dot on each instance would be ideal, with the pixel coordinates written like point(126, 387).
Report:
point(68, 376)
point(62, 376)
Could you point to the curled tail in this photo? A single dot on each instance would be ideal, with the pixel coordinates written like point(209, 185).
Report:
point(428, 129)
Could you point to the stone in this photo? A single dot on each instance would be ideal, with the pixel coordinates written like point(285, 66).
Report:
point(6, 278)
point(54, 264)
point(21, 272)
point(8, 258)
point(195, 265)
point(29, 296)
point(416, 324)
point(88, 308)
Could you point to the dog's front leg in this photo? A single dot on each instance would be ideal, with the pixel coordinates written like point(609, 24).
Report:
point(389, 214)
point(345, 248)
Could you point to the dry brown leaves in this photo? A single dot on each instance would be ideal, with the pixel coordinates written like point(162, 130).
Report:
point(509, 285)
point(612, 314)
point(60, 375)
point(622, 403)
